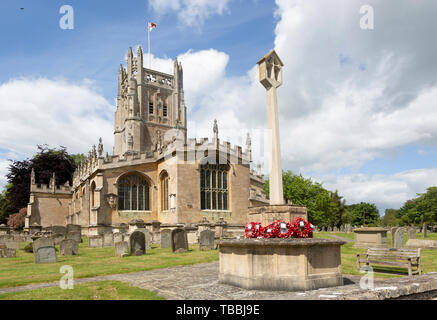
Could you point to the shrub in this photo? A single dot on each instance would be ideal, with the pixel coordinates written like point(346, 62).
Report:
point(16, 220)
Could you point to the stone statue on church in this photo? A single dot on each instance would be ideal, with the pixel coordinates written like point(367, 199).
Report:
point(100, 149)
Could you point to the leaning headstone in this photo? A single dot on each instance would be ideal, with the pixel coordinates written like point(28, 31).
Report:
point(10, 253)
point(108, 239)
point(68, 247)
point(96, 241)
point(179, 240)
point(399, 238)
point(206, 240)
point(44, 250)
point(411, 233)
point(137, 242)
point(425, 230)
point(74, 235)
point(121, 249)
point(118, 237)
point(166, 238)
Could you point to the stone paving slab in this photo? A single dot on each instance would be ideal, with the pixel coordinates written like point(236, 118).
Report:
point(200, 282)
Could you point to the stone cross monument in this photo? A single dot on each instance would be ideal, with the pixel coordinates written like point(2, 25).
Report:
point(270, 76)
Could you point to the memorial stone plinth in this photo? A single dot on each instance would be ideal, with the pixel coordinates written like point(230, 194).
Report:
point(367, 237)
point(281, 264)
point(269, 213)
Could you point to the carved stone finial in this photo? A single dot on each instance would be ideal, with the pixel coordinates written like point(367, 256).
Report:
point(248, 142)
point(94, 154)
point(32, 177)
point(215, 128)
point(100, 150)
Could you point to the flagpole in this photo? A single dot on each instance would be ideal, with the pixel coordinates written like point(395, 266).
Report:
point(148, 41)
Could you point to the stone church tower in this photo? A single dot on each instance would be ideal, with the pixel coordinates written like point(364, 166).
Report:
point(149, 103)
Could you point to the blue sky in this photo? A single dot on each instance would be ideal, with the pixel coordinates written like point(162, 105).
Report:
point(357, 108)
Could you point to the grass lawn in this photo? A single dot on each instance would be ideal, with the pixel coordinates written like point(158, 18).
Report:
point(102, 290)
point(94, 262)
point(349, 255)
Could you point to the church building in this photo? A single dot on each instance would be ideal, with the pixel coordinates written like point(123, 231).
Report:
point(154, 172)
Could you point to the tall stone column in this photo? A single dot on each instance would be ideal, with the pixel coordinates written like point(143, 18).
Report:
point(270, 76)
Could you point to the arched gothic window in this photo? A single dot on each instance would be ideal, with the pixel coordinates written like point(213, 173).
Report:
point(133, 193)
point(214, 187)
point(164, 191)
point(93, 191)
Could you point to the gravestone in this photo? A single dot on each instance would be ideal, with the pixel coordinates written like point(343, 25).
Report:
point(44, 250)
point(12, 245)
point(74, 235)
point(399, 238)
point(411, 233)
point(137, 242)
point(149, 239)
point(425, 230)
point(57, 238)
point(166, 238)
point(4, 229)
point(206, 240)
point(179, 240)
point(96, 241)
point(6, 238)
point(329, 229)
point(118, 237)
point(335, 229)
point(393, 232)
point(10, 253)
point(108, 239)
point(74, 228)
point(68, 247)
point(121, 249)
point(62, 230)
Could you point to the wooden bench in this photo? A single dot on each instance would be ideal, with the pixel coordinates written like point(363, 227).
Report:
point(407, 258)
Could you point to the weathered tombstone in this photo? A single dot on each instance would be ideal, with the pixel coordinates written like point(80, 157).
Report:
point(95, 241)
point(44, 250)
point(12, 245)
point(329, 229)
point(137, 242)
point(166, 238)
point(335, 229)
point(425, 230)
point(393, 232)
point(411, 233)
point(121, 249)
point(206, 240)
point(399, 238)
point(179, 240)
point(62, 230)
point(108, 239)
point(74, 228)
point(68, 247)
point(6, 238)
point(10, 253)
point(118, 237)
point(74, 235)
point(57, 238)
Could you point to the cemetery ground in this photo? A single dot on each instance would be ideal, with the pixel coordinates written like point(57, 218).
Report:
point(92, 262)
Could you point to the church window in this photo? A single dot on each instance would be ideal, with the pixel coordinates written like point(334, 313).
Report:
point(133, 193)
point(214, 187)
point(93, 191)
point(164, 110)
point(164, 192)
point(150, 107)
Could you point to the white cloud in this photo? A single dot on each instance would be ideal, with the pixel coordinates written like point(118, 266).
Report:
point(385, 190)
point(190, 12)
point(53, 112)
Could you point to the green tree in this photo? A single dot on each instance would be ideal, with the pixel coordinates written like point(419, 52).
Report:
point(421, 209)
point(45, 162)
point(389, 218)
point(5, 205)
point(324, 207)
point(363, 214)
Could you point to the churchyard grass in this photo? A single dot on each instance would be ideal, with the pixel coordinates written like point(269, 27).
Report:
point(349, 256)
point(94, 262)
point(101, 261)
point(101, 290)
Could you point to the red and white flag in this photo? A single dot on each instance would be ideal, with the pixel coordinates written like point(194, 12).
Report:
point(152, 26)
